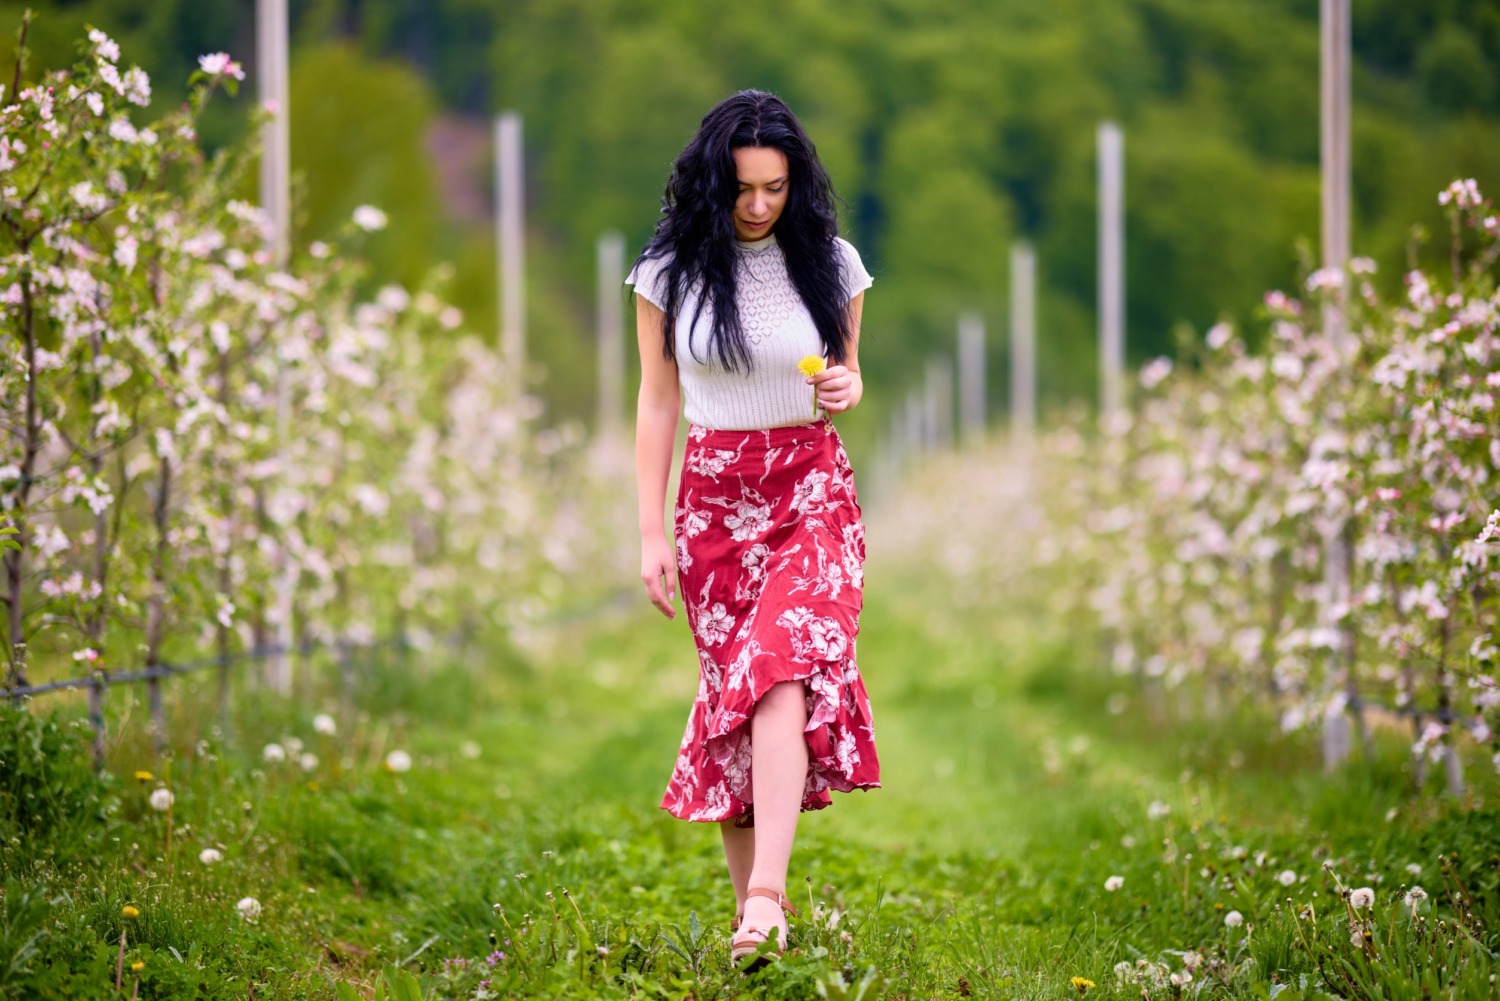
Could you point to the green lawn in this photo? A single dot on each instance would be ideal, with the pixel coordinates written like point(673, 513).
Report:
point(1012, 794)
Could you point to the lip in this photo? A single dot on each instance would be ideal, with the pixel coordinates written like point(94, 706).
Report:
point(755, 225)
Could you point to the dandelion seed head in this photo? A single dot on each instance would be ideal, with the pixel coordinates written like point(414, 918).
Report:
point(369, 218)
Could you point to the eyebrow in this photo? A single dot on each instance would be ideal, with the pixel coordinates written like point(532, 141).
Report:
point(779, 180)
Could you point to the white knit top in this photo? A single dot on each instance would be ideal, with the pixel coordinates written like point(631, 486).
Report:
point(778, 328)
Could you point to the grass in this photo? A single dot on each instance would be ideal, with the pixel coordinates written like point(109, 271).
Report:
point(527, 827)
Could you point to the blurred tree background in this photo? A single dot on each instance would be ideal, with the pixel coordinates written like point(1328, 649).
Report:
point(951, 128)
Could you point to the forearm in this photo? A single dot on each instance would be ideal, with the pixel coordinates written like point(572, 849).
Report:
point(655, 434)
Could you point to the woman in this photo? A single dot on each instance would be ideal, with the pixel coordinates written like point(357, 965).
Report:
point(745, 279)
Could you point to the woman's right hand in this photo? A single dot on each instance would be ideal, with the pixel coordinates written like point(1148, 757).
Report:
point(659, 574)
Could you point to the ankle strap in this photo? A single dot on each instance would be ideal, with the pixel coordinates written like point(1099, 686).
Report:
point(776, 895)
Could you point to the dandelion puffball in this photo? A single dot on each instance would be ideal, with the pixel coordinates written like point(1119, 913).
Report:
point(369, 218)
point(249, 908)
point(1415, 896)
point(398, 761)
point(1286, 877)
point(1234, 919)
point(209, 856)
point(324, 724)
point(309, 762)
point(1157, 810)
point(161, 799)
point(1414, 869)
point(1113, 883)
point(1361, 898)
point(273, 752)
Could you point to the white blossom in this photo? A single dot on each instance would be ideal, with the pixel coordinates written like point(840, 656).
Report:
point(219, 64)
point(369, 218)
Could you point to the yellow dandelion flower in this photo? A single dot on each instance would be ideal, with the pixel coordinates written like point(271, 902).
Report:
point(144, 776)
point(811, 365)
point(138, 965)
point(1082, 985)
point(130, 911)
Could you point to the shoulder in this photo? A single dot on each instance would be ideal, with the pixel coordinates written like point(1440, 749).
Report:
point(649, 276)
point(856, 277)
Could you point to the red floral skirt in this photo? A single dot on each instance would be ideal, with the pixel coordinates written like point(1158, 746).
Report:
point(770, 560)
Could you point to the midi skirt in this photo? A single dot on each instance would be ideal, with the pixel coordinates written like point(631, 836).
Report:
point(770, 560)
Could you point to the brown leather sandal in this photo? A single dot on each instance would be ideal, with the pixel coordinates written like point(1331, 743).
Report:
point(748, 942)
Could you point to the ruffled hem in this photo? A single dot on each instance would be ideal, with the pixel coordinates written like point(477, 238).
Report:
point(770, 559)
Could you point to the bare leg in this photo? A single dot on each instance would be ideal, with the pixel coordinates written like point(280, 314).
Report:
point(739, 852)
point(778, 774)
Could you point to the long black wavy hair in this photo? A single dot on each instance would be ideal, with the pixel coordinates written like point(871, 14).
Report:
point(696, 233)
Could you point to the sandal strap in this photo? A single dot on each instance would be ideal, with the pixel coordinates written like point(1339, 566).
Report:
point(776, 895)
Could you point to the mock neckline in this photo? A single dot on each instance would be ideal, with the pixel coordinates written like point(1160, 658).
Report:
point(769, 240)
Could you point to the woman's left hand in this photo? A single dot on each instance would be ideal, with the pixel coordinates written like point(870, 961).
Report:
point(838, 388)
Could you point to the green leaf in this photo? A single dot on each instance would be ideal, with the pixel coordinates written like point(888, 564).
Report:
point(405, 987)
point(347, 993)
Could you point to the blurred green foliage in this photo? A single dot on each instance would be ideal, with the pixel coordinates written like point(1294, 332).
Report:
point(951, 128)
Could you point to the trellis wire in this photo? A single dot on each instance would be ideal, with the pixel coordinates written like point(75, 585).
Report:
point(97, 682)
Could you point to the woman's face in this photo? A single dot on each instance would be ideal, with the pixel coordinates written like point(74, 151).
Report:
point(763, 189)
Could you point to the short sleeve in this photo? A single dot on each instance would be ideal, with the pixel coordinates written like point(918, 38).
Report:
point(856, 278)
point(649, 278)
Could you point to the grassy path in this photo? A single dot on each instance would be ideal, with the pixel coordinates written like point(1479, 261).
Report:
point(1012, 795)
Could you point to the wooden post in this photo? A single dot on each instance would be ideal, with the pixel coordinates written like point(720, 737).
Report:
point(1335, 25)
point(611, 337)
point(916, 425)
point(510, 229)
point(275, 195)
point(971, 378)
point(939, 404)
point(1022, 341)
point(1337, 564)
point(275, 158)
point(1111, 268)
